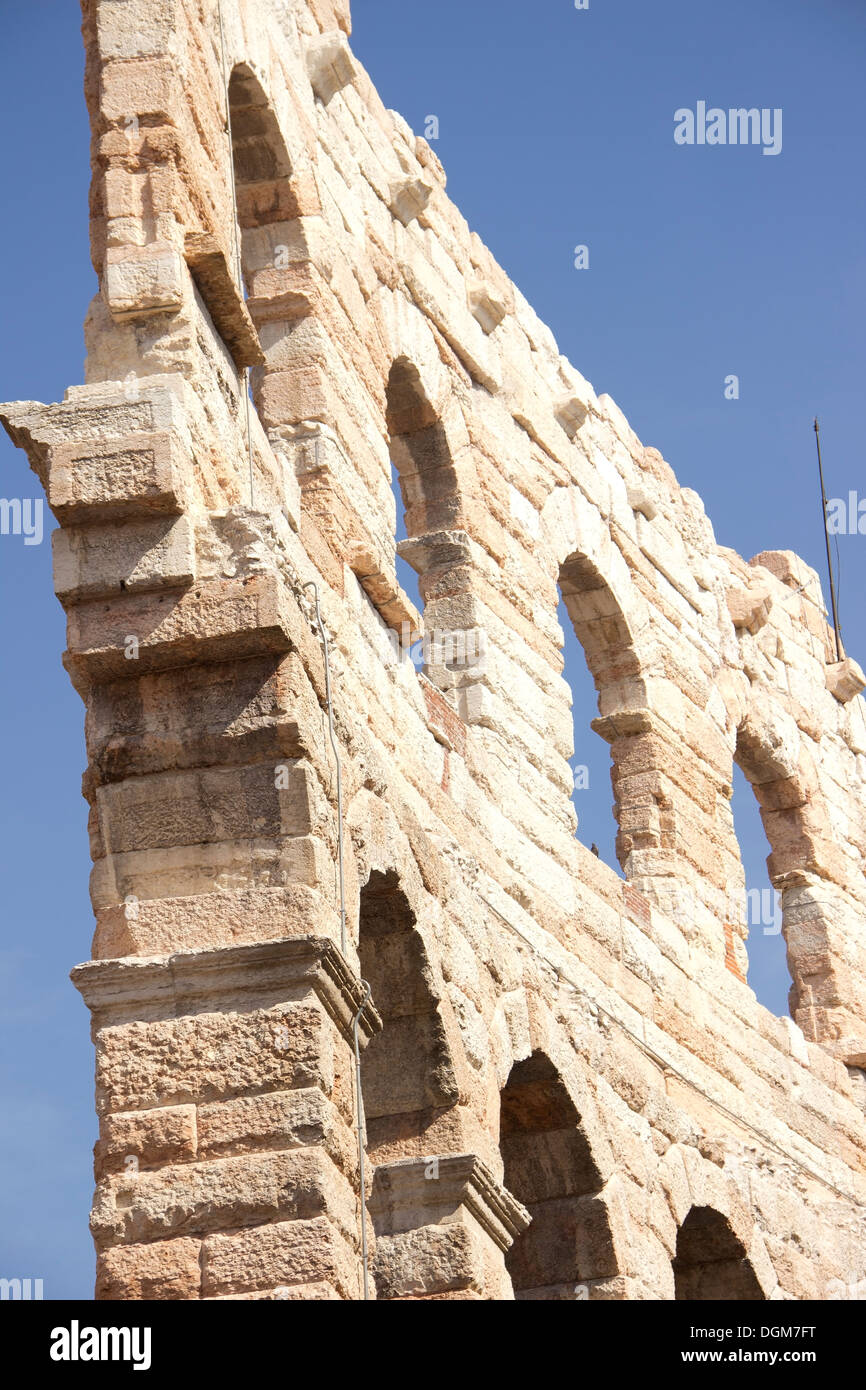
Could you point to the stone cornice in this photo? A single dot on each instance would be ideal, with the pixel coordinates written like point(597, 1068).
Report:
point(437, 1185)
point(117, 991)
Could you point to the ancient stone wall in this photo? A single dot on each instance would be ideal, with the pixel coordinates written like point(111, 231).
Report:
point(570, 1091)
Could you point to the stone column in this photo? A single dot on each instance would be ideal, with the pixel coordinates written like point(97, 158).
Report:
point(227, 1164)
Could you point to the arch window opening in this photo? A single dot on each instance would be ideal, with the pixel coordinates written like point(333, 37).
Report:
point(406, 576)
point(591, 764)
point(601, 670)
point(549, 1167)
point(407, 1078)
point(760, 905)
point(711, 1262)
point(423, 481)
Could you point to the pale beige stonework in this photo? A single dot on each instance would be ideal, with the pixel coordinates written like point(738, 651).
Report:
point(570, 1090)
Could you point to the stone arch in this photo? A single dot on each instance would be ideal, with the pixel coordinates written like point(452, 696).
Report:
point(431, 455)
point(711, 1263)
point(805, 865)
point(550, 1166)
point(612, 622)
point(716, 1251)
point(407, 1074)
point(262, 167)
point(410, 1077)
point(421, 453)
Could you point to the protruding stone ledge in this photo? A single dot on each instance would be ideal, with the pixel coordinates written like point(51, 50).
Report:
point(443, 1225)
point(110, 451)
point(487, 305)
point(120, 991)
point(640, 501)
point(139, 281)
point(436, 550)
point(210, 269)
point(224, 620)
point(409, 197)
point(417, 1192)
point(330, 65)
point(845, 680)
point(92, 562)
point(571, 413)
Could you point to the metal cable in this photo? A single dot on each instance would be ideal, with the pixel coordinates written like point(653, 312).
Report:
point(324, 636)
point(362, 1181)
point(244, 376)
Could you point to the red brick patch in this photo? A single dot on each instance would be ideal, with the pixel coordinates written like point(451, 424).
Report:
point(442, 721)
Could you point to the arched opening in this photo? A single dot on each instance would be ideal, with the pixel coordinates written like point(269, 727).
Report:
point(407, 1077)
point(789, 950)
point(549, 1167)
point(263, 171)
point(423, 477)
point(711, 1261)
point(592, 766)
point(268, 205)
point(614, 711)
point(756, 910)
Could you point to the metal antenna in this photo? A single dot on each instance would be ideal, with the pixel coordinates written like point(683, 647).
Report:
point(827, 540)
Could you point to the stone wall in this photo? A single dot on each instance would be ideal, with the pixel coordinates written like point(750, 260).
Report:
point(570, 1090)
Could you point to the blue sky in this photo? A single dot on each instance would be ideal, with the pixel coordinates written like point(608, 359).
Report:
point(556, 129)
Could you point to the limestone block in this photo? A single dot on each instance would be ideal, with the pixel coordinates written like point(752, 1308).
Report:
point(331, 14)
point(308, 1252)
point(570, 412)
point(164, 1270)
point(140, 633)
point(210, 1057)
point(330, 65)
point(209, 804)
point(278, 1120)
point(769, 745)
point(750, 608)
point(488, 306)
point(145, 1139)
point(846, 680)
point(162, 926)
point(143, 280)
point(215, 279)
point(409, 197)
point(111, 480)
point(442, 1225)
point(640, 501)
point(452, 318)
point(200, 1198)
point(139, 87)
point(293, 995)
point(790, 570)
point(135, 28)
point(97, 562)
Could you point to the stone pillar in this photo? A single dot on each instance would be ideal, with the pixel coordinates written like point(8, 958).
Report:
point(443, 1228)
point(227, 1164)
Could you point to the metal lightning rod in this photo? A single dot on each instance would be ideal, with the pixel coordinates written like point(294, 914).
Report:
point(827, 540)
